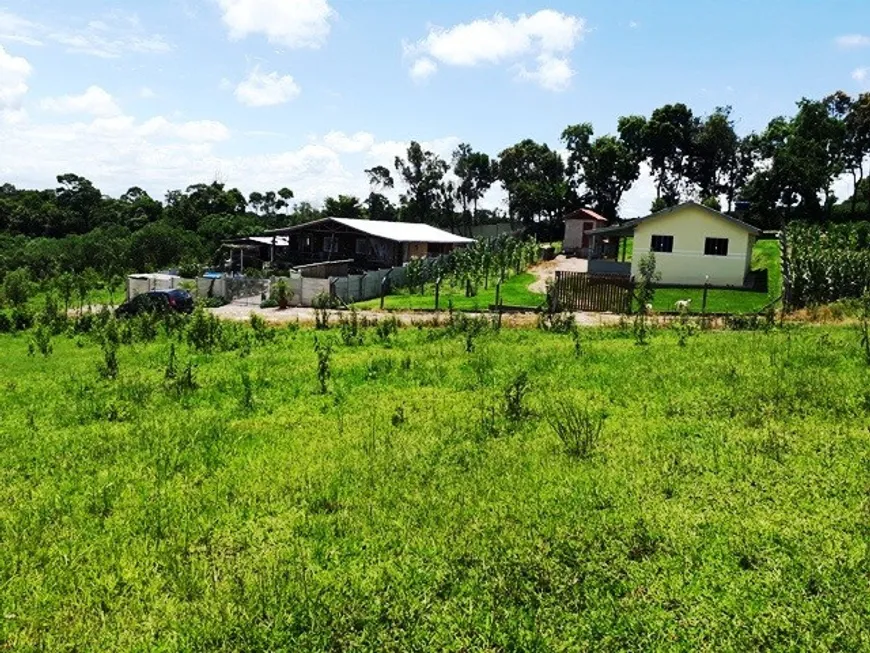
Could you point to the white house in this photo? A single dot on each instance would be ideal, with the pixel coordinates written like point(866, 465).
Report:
point(691, 242)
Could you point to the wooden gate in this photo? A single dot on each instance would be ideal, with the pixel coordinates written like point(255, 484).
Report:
point(601, 293)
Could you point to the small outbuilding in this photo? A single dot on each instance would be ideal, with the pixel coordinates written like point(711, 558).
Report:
point(693, 244)
point(578, 225)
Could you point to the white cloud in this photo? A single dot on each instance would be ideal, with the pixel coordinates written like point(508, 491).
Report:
point(636, 203)
point(552, 73)
point(14, 72)
point(293, 23)
point(341, 142)
point(423, 69)
point(94, 101)
point(266, 89)
point(849, 41)
point(197, 131)
point(385, 152)
point(861, 74)
point(546, 37)
point(633, 24)
point(16, 29)
point(115, 34)
point(147, 93)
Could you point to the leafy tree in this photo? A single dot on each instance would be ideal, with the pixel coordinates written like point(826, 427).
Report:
point(79, 199)
point(476, 174)
point(669, 138)
point(855, 115)
point(422, 172)
point(534, 177)
point(604, 169)
point(17, 287)
point(380, 178)
point(345, 206)
point(715, 154)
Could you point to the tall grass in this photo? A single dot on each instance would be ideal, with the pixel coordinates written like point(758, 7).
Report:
point(722, 505)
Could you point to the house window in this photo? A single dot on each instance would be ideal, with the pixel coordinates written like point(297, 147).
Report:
point(716, 247)
point(329, 243)
point(663, 244)
point(362, 246)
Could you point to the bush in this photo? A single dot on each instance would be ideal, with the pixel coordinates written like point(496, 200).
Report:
point(22, 319)
point(17, 287)
point(204, 330)
point(578, 426)
point(6, 323)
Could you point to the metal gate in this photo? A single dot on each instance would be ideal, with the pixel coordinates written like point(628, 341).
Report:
point(601, 293)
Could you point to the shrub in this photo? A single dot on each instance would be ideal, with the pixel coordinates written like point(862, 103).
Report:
point(386, 328)
point(281, 294)
point(41, 340)
point(644, 295)
point(17, 287)
point(350, 329)
point(557, 322)
point(6, 323)
point(108, 368)
point(262, 332)
point(323, 350)
point(204, 330)
point(514, 397)
point(269, 303)
point(22, 319)
point(578, 426)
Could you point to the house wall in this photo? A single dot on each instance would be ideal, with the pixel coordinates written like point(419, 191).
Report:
point(687, 264)
point(576, 235)
point(416, 250)
point(573, 236)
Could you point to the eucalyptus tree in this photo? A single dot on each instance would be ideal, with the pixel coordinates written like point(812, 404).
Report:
point(422, 172)
point(604, 169)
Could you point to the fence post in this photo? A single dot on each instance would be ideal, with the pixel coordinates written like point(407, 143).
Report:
point(704, 300)
point(437, 292)
point(384, 283)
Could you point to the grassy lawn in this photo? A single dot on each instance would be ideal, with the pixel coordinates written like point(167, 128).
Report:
point(765, 255)
point(514, 292)
point(723, 506)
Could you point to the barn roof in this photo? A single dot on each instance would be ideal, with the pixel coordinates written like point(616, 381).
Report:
point(399, 232)
point(586, 214)
point(628, 227)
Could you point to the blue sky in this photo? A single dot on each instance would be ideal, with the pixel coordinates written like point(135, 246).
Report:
point(307, 93)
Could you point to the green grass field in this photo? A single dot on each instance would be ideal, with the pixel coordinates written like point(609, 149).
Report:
point(765, 255)
point(514, 292)
point(723, 507)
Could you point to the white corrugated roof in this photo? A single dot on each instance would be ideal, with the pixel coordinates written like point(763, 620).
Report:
point(403, 232)
point(280, 241)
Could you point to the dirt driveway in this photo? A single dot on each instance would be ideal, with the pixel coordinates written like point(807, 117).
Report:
point(242, 313)
point(546, 271)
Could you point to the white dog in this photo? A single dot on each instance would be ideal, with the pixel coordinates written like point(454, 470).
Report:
point(683, 304)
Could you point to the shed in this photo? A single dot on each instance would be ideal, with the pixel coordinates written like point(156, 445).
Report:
point(578, 225)
point(139, 284)
point(371, 244)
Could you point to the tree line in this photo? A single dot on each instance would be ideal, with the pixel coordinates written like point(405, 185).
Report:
point(785, 172)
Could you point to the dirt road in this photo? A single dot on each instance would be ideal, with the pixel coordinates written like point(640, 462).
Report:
point(546, 271)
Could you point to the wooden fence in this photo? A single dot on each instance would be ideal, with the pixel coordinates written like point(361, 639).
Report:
point(601, 293)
